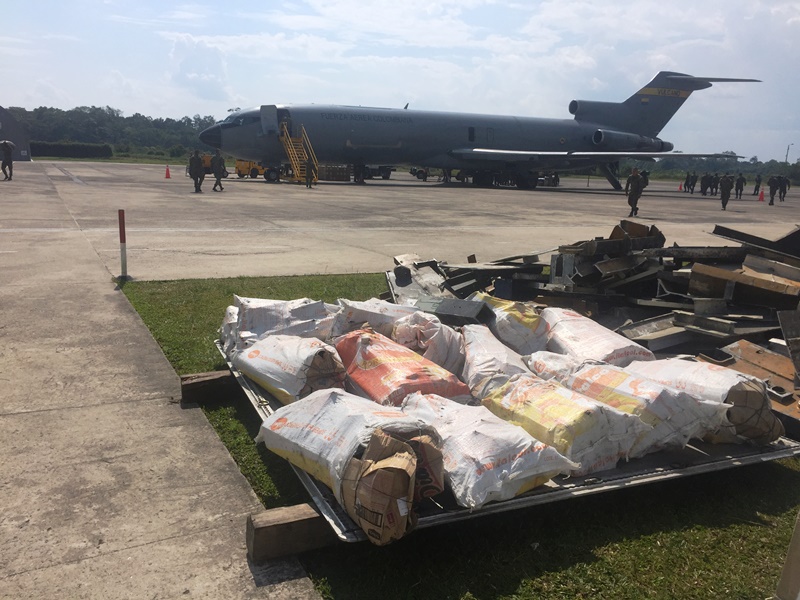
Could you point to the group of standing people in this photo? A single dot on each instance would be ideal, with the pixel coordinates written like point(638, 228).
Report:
point(710, 184)
point(197, 170)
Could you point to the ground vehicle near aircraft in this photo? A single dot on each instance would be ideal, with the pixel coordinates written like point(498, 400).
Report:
point(248, 168)
point(484, 148)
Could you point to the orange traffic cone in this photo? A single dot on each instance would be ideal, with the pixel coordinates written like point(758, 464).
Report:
point(680, 186)
point(761, 196)
point(167, 175)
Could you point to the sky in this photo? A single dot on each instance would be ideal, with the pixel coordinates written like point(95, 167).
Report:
point(511, 57)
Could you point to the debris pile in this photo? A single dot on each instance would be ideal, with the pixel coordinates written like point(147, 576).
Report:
point(481, 382)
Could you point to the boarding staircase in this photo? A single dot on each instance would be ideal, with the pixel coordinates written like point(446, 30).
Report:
point(299, 151)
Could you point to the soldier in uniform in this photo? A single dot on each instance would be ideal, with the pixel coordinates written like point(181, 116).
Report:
point(8, 149)
point(773, 184)
point(633, 190)
point(218, 169)
point(715, 184)
point(196, 171)
point(740, 183)
point(725, 187)
point(758, 185)
point(783, 186)
point(692, 182)
point(310, 172)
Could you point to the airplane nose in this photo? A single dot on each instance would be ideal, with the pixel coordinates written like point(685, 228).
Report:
point(212, 136)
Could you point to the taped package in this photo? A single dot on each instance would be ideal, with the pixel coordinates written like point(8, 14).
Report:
point(578, 336)
point(489, 363)
point(583, 430)
point(378, 489)
point(427, 335)
point(258, 317)
point(749, 413)
point(291, 367)
point(386, 372)
point(675, 417)
point(322, 432)
point(516, 324)
point(379, 314)
point(486, 459)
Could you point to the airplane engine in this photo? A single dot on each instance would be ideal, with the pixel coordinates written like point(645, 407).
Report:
point(620, 141)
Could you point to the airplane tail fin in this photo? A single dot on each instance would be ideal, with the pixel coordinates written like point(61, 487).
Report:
point(650, 109)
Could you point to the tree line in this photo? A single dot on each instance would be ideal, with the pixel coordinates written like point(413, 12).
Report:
point(128, 136)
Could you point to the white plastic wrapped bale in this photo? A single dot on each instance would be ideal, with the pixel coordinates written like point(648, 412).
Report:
point(291, 367)
point(675, 417)
point(379, 314)
point(516, 324)
point(486, 459)
point(386, 372)
point(748, 407)
point(551, 365)
point(426, 334)
point(571, 333)
point(583, 430)
point(322, 432)
point(488, 363)
point(302, 317)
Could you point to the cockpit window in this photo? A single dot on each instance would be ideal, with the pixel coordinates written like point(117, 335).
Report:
point(242, 118)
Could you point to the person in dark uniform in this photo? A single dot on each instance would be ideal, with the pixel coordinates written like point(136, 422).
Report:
point(8, 149)
point(740, 183)
point(783, 186)
point(693, 182)
point(715, 184)
point(758, 185)
point(705, 183)
point(687, 182)
point(218, 169)
point(311, 171)
point(725, 187)
point(633, 190)
point(196, 171)
point(773, 184)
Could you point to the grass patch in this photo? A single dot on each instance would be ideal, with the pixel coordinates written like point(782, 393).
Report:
point(720, 535)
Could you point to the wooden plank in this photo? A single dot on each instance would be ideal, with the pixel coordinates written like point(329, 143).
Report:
point(286, 531)
point(772, 267)
point(200, 387)
point(790, 326)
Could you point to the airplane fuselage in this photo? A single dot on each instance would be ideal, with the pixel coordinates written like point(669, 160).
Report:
point(482, 146)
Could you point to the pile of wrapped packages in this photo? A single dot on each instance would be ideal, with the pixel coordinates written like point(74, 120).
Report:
point(387, 406)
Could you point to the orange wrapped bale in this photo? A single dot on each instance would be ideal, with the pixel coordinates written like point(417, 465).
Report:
point(387, 372)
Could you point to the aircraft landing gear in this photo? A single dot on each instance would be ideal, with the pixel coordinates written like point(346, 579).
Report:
point(272, 175)
point(527, 181)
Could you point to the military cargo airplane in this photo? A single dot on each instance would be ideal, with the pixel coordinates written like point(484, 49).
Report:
point(483, 147)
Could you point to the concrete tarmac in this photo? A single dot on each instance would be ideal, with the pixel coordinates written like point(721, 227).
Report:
point(109, 488)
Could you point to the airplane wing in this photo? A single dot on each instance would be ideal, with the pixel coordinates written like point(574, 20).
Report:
point(533, 155)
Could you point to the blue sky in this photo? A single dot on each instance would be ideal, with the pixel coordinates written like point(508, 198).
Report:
point(513, 57)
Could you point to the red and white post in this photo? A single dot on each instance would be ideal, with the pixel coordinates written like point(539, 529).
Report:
point(123, 257)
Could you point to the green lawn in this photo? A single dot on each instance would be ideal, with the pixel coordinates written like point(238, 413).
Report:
point(722, 535)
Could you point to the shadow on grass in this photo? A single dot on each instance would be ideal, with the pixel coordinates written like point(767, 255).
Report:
point(613, 543)
point(237, 423)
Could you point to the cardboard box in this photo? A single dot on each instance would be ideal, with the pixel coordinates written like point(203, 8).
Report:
point(378, 489)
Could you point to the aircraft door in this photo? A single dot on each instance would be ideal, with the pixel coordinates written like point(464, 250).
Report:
point(283, 116)
point(269, 119)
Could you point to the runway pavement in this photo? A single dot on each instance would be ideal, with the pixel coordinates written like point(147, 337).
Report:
point(109, 488)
